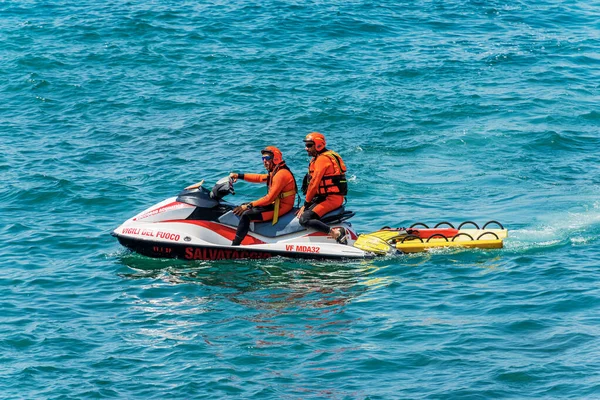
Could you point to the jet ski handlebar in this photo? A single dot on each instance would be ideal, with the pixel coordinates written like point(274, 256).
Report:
point(222, 188)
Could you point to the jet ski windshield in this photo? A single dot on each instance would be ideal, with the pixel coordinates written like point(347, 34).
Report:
point(200, 197)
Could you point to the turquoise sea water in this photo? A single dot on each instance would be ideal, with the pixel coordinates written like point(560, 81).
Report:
point(443, 111)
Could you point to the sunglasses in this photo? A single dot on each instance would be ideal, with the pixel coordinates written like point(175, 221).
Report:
point(267, 158)
point(309, 145)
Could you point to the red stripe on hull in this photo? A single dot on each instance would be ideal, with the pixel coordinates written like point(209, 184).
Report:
point(225, 231)
point(164, 208)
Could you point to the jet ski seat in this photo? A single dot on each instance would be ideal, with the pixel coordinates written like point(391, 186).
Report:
point(287, 223)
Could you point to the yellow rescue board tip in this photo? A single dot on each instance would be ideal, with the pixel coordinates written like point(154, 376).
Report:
point(415, 246)
point(372, 244)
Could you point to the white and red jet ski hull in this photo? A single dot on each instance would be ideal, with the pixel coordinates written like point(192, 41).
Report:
point(167, 231)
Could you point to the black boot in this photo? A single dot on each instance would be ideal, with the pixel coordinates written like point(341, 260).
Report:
point(343, 238)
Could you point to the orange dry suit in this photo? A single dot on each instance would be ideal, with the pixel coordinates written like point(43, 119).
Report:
point(325, 183)
point(281, 191)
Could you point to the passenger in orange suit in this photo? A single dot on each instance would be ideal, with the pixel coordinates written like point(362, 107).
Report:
point(281, 193)
point(325, 186)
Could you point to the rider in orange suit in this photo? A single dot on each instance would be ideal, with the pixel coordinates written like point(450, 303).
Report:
point(327, 186)
point(281, 192)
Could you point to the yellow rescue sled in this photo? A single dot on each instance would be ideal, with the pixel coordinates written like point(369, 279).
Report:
point(419, 237)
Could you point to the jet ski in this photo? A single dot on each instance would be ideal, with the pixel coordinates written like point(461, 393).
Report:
point(198, 224)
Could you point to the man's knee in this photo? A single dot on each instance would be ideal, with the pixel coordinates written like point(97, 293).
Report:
point(245, 218)
point(307, 216)
point(245, 215)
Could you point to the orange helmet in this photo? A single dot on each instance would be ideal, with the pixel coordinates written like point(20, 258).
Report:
point(317, 138)
point(274, 152)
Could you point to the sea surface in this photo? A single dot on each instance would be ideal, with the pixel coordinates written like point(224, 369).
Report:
point(453, 110)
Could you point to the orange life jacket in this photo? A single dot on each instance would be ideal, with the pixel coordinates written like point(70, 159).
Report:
point(283, 195)
point(333, 182)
